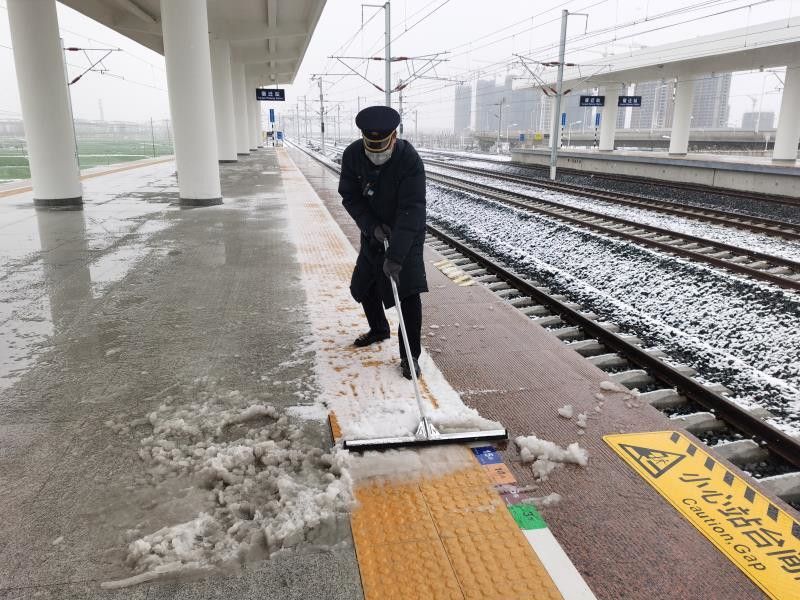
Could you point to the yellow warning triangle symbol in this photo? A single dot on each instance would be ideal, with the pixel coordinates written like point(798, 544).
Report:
point(655, 462)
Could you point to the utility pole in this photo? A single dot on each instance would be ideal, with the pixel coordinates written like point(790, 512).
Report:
point(338, 122)
point(500, 123)
point(388, 53)
point(400, 134)
point(559, 91)
point(305, 116)
point(321, 117)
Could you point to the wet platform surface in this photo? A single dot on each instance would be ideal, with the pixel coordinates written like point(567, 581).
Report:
point(625, 540)
point(135, 307)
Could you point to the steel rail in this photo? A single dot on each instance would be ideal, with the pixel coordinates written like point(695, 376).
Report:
point(749, 223)
point(695, 187)
point(527, 202)
point(776, 440)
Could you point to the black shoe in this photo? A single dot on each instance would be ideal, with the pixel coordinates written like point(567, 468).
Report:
point(365, 339)
point(406, 370)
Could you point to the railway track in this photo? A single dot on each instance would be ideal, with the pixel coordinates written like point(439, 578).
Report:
point(742, 436)
point(729, 219)
point(746, 439)
point(757, 265)
point(677, 185)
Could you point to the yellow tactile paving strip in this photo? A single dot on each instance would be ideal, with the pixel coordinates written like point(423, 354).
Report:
point(445, 534)
point(449, 536)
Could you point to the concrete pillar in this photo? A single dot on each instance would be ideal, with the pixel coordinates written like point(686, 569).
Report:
point(240, 108)
point(45, 101)
point(787, 134)
point(191, 100)
point(681, 116)
point(252, 114)
point(223, 100)
point(608, 119)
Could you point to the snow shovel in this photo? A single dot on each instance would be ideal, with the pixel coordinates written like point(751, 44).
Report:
point(427, 434)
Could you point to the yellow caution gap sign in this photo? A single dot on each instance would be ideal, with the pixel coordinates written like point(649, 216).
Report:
point(453, 272)
point(757, 536)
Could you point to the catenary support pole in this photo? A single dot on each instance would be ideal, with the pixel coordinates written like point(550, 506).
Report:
point(608, 118)
point(191, 100)
point(500, 124)
point(240, 108)
point(787, 134)
point(44, 97)
point(223, 100)
point(681, 116)
point(305, 116)
point(555, 136)
point(387, 9)
point(321, 117)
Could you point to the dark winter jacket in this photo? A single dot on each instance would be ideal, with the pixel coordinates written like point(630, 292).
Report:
point(392, 194)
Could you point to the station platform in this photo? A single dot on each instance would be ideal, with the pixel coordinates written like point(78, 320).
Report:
point(725, 172)
point(167, 380)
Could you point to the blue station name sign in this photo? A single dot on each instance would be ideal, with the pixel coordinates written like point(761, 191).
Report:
point(593, 101)
point(629, 101)
point(270, 94)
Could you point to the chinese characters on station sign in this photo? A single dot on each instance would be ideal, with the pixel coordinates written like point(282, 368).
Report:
point(270, 94)
point(593, 101)
point(629, 101)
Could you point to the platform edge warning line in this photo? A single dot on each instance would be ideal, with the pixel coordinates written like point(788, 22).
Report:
point(762, 540)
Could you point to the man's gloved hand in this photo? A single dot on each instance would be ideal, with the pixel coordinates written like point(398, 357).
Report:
point(381, 232)
point(392, 269)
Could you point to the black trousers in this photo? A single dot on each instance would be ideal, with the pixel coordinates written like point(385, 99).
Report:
point(412, 315)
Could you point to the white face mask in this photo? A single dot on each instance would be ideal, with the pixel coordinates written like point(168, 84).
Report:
point(378, 158)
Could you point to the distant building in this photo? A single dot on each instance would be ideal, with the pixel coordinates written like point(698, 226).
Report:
point(487, 95)
point(710, 108)
point(656, 106)
point(758, 121)
point(463, 109)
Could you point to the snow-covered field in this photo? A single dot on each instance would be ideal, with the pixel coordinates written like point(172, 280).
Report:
point(742, 334)
point(727, 235)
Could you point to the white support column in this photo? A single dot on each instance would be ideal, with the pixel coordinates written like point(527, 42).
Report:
point(681, 116)
point(255, 118)
point(558, 118)
point(788, 133)
point(608, 119)
point(250, 93)
point(240, 108)
point(191, 100)
point(223, 100)
point(44, 97)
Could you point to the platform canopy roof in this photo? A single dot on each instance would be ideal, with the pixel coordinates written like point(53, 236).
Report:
point(773, 44)
point(269, 36)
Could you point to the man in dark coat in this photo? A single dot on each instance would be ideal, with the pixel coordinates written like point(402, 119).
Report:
point(382, 186)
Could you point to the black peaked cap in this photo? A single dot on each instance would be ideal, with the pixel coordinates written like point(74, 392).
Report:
point(376, 122)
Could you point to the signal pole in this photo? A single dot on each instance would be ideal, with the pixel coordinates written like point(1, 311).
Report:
point(388, 54)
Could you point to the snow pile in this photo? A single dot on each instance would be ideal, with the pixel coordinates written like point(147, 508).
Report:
point(546, 455)
point(543, 501)
point(271, 487)
point(566, 411)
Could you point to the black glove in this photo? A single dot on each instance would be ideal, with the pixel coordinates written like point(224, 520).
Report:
point(392, 269)
point(381, 232)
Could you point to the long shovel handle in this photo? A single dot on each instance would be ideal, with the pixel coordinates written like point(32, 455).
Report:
point(420, 405)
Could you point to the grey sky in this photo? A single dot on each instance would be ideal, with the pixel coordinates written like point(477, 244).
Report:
point(480, 36)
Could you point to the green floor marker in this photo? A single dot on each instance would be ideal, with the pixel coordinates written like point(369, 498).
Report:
point(527, 517)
